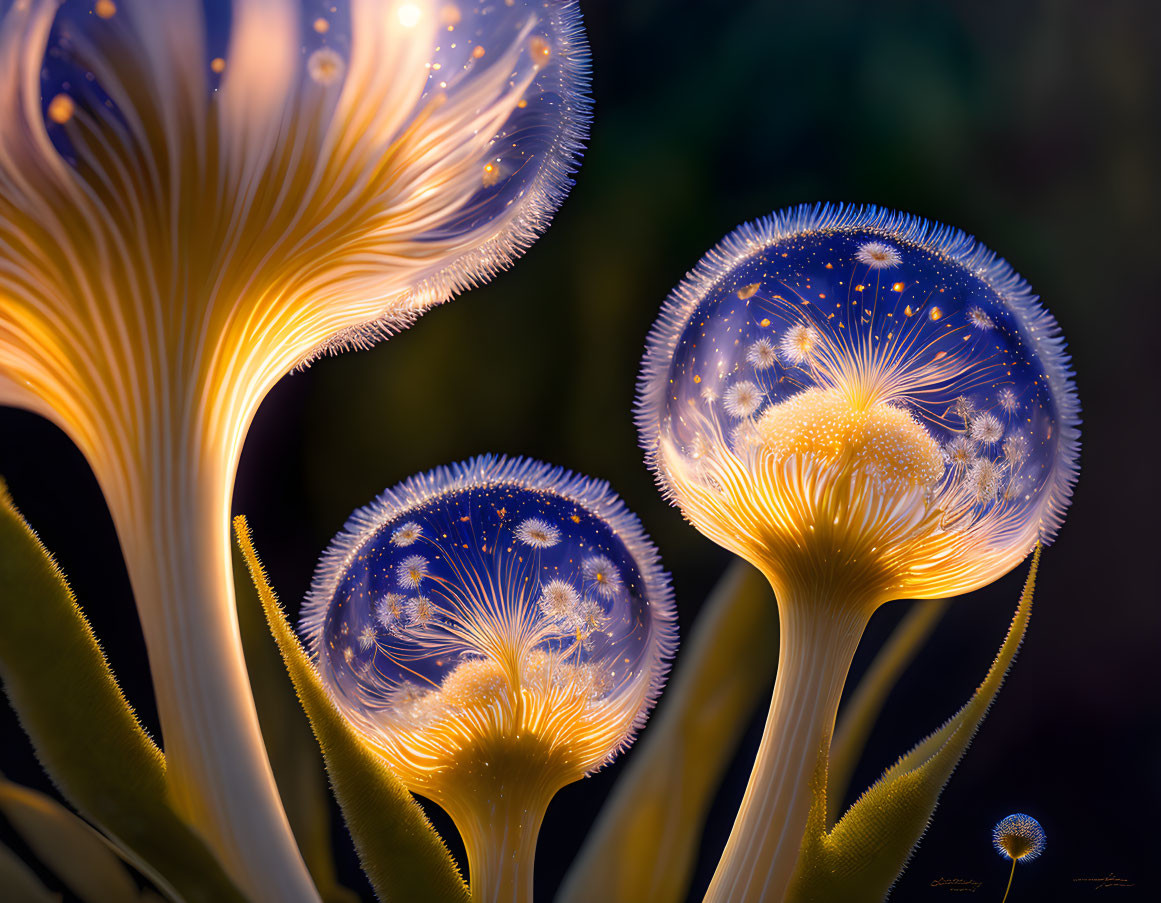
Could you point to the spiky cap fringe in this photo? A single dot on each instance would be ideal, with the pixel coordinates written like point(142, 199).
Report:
point(953, 245)
point(543, 198)
point(595, 496)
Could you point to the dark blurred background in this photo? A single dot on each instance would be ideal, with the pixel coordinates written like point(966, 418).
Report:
point(1034, 126)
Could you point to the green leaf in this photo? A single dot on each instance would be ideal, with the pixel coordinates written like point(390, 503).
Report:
point(862, 711)
point(85, 734)
point(863, 855)
point(402, 854)
point(290, 744)
point(80, 857)
point(20, 883)
point(644, 844)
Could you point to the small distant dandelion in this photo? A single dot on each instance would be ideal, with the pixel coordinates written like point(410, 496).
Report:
point(559, 601)
point(984, 477)
point(979, 318)
point(420, 611)
point(411, 571)
point(368, 637)
point(878, 256)
point(986, 428)
point(960, 452)
point(389, 611)
point(325, 66)
point(746, 434)
point(762, 354)
point(798, 343)
point(590, 616)
point(742, 399)
point(539, 534)
point(709, 394)
point(1015, 448)
point(1007, 400)
point(604, 574)
point(348, 654)
point(1018, 837)
point(964, 408)
point(406, 534)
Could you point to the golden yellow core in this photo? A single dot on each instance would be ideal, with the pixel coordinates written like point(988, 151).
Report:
point(475, 684)
point(1015, 846)
point(880, 438)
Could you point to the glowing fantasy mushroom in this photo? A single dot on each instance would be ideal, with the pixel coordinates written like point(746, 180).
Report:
point(867, 407)
point(495, 630)
point(1017, 837)
point(191, 205)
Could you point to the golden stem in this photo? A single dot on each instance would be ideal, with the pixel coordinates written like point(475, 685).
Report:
point(1011, 875)
point(499, 820)
point(818, 640)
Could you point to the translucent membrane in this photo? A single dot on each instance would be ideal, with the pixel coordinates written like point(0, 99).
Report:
point(877, 351)
point(470, 593)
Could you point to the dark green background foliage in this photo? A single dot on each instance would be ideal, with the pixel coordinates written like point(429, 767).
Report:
point(1033, 125)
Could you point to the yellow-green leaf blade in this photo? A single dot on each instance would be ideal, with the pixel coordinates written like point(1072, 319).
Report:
point(402, 854)
point(862, 711)
point(20, 883)
point(294, 755)
point(643, 846)
point(85, 733)
point(863, 855)
point(77, 855)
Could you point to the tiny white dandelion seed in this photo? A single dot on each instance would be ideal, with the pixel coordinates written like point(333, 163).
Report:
point(348, 654)
point(986, 428)
point(411, 571)
point(325, 66)
point(1007, 400)
point(368, 637)
point(742, 399)
point(878, 256)
point(979, 318)
point(709, 394)
point(984, 479)
point(600, 571)
point(964, 408)
point(539, 534)
point(1015, 448)
point(761, 354)
point(960, 452)
point(746, 435)
point(389, 611)
point(406, 534)
point(558, 601)
point(590, 617)
point(420, 611)
point(798, 343)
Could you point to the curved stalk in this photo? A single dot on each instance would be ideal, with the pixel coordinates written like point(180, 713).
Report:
point(817, 643)
point(1008, 889)
point(499, 824)
point(170, 499)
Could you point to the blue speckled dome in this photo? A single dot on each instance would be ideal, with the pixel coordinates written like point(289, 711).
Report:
point(494, 575)
point(860, 307)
